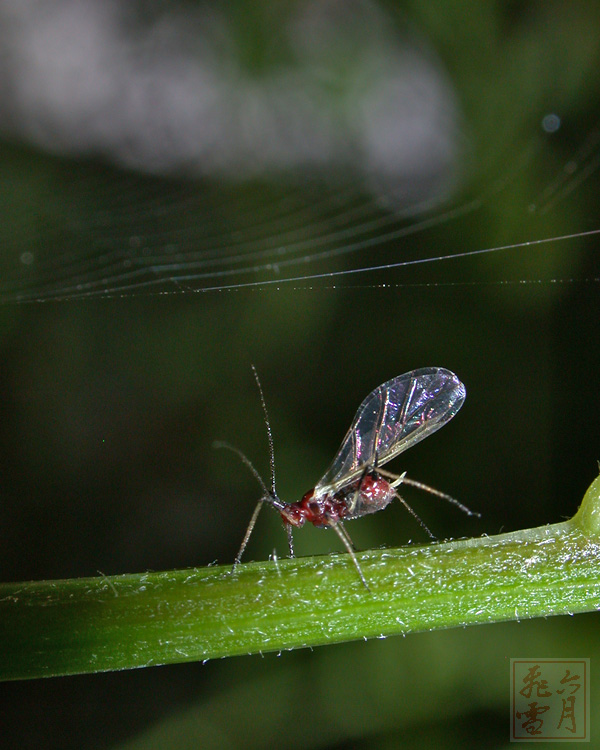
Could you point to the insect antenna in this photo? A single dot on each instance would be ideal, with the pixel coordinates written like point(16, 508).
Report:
point(272, 495)
point(245, 460)
point(269, 433)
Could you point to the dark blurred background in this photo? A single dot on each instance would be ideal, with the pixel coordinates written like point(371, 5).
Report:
point(162, 165)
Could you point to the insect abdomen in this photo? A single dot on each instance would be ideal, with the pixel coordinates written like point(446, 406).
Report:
point(369, 494)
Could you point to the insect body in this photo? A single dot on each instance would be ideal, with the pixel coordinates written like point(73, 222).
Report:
point(394, 417)
point(368, 494)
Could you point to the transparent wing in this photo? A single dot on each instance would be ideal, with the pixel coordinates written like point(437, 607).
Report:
point(391, 419)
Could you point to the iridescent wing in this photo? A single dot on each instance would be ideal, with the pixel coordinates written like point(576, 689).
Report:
point(393, 418)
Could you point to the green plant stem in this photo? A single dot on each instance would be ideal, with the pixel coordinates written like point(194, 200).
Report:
point(51, 628)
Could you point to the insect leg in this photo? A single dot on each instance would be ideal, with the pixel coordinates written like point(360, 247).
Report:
point(398, 480)
point(290, 538)
point(249, 531)
point(414, 515)
point(268, 496)
point(347, 542)
point(403, 479)
point(443, 495)
point(354, 502)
